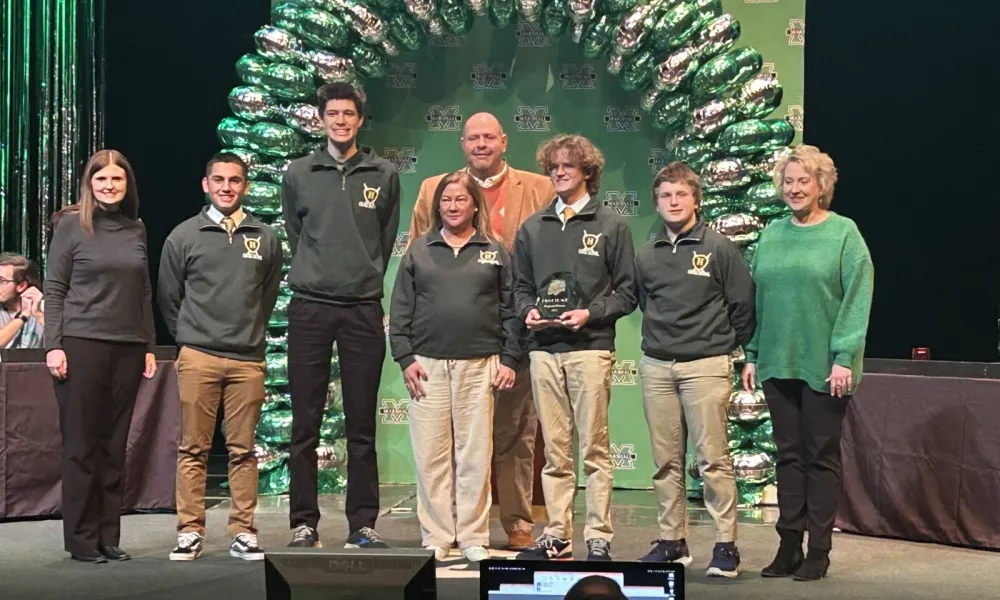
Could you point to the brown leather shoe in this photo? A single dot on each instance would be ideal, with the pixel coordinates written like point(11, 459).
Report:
point(520, 540)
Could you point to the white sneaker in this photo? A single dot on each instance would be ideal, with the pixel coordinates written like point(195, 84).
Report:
point(475, 553)
point(188, 547)
point(439, 553)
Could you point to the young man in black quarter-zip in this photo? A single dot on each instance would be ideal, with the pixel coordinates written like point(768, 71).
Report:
point(341, 207)
point(218, 282)
point(697, 301)
point(572, 353)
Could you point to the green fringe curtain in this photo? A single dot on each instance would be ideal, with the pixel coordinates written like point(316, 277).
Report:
point(51, 111)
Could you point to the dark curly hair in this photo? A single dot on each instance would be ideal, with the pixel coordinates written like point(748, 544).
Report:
point(581, 150)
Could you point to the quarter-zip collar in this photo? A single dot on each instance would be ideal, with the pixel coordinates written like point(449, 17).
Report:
point(436, 238)
point(588, 211)
point(249, 223)
point(695, 235)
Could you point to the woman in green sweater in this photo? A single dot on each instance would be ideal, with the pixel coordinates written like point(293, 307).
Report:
point(814, 279)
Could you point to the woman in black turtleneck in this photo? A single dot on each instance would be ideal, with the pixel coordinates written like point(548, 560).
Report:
point(99, 337)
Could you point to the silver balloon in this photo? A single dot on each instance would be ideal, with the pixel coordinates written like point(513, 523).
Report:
point(389, 47)
point(630, 33)
point(252, 103)
point(421, 10)
point(738, 355)
point(615, 64)
point(478, 7)
point(332, 456)
point(724, 174)
point(755, 467)
point(279, 45)
point(330, 67)
point(650, 98)
point(369, 25)
point(676, 69)
point(529, 10)
point(712, 118)
point(268, 458)
point(304, 118)
point(748, 406)
point(582, 12)
point(718, 36)
point(271, 171)
point(758, 97)
point(740, 228)
point(762, 168)
point(250, 157)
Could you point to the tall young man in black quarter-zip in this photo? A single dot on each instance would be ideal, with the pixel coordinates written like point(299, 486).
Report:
point(572, 354)
point(341, 208)
point(218, 283)
point(697, 300)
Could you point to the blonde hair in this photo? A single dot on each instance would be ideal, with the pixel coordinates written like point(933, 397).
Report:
point(818, 164)
point(581, 150)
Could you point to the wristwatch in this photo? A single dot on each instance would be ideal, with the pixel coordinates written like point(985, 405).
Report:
point(23, 318)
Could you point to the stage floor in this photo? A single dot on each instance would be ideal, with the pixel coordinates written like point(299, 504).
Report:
point(34, 567)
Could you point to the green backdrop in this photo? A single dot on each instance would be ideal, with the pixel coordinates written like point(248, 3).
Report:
point(536, 85)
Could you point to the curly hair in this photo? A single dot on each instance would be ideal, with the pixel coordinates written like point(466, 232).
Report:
point(581, 151)
point(818, 164)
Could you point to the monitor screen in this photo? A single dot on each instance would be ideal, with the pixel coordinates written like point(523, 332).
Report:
point(550, 580)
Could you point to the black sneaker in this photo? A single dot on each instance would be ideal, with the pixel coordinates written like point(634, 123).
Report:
point(188, 547)
point(598, 549)
point(305, 536)
point(548, 547)
point(366, 537)
point(725, 561)
point(245, 546)
point(675, 551)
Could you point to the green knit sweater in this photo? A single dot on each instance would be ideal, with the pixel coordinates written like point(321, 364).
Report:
point(814, 295)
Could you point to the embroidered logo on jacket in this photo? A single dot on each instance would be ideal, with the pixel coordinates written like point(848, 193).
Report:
point(590, 243)
point(488, 258)
point(252, 246)
point(698, 264)
point(371, 196)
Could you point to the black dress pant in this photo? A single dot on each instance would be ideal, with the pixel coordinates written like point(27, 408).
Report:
point(807, 428)
point(357, 329)
point(95, 410)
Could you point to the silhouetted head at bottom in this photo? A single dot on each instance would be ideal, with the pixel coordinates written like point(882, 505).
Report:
point(595, 587)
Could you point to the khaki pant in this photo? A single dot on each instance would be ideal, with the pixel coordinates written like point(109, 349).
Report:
point(515, 426)
point(450, 429)
point(204, 381)
point(573, 390)
point(681, 398)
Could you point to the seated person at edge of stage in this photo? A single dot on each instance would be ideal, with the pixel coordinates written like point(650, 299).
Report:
point(697, 301)
point(22, 320)
point(453, 331)
point(578, 244)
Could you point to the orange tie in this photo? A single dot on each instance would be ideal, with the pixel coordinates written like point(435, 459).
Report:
point(568, 213)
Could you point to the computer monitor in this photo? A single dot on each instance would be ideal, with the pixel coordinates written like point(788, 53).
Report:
point(550, 580)
point(314, 574)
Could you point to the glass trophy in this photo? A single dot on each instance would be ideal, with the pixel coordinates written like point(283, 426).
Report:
point(559, 293)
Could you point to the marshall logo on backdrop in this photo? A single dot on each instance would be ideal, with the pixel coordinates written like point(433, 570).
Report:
point(658, 158)
point(624, 372)
point(578, 77)
point(768, 69)
point(405, 159)
point(443, 118)
point(619, 119)
point(399, 246)
point(488, 77)
point(532, 118)
point(623, 456)
point(401, 75)
point(625, 204)
point(395, 412)
point(445, 40)
point(531, 35)
point(796, 32)
point(795, 116)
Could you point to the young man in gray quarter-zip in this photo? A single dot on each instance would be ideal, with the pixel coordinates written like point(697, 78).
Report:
point(697, 301)
point(341, 208)
point(218, 283)
point(573, 353)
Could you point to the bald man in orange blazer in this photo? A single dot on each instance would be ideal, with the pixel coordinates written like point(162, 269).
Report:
point(512, 196)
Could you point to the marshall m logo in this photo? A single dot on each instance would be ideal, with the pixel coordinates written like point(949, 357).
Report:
point(443, 118)
point(624, 373)
point(395, 412)
point(532, 118)
point(623, 456)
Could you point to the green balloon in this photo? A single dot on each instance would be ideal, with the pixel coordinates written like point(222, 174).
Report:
point(714, 206)
point(638, 69)
point(671, 113)
point(616, 7)
point(456, 16)
point(274, 400)
point(675, 26)
point(268, 171)
point(745, 138)
point(370, 61)
point(738, 435)
point(251, 158)
point(502, 13)
point(275, 427)
point(274, 482)
point(263, 198)
point(405, 31)
point(764, 200)
point(279, 316)
point(707, 10)
point(250, 68)
point(234, 132)
point(762, 437)
point(748, 253)
point(332, 426)
point(311, 24)
point(597, 37)
point(288, 82)
point(726, 71)
point(782, 133)
point(758, 97)
point(554, 19)
point(693, 151)
point(275, 140)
